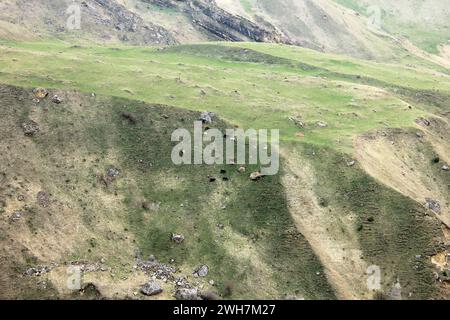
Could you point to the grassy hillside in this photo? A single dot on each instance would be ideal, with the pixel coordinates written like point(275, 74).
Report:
point(311, 231)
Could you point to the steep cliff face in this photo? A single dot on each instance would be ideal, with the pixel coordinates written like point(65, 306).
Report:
point(99, 20)
point(370, 29)
point(219, 24)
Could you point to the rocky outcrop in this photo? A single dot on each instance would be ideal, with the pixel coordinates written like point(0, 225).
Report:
point(129, 26)
point(219, 24)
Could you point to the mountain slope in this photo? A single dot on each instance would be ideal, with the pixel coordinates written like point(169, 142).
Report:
point(370, 29)
point(310, 231)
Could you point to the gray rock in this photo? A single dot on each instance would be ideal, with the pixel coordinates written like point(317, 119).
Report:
point(256, 176)
point(423, 122)
point(433, 205)
point(37, 271)
point(177, 238)
point(351, 163)
point(16, 215)
point(202, 271)
point(43, 199)
point(186, 294)
point(30, 128)
point(207, 117)
point(113, 172)
point(56, 99)
point(445, 167)
point(151, 288)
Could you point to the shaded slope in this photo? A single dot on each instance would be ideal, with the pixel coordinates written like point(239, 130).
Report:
point(97, 221)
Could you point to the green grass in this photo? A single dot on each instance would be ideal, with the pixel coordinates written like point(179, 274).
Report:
point(258, 89)
point(352, 4)
point(257, 212)
point(251, 86)
point(392, 229)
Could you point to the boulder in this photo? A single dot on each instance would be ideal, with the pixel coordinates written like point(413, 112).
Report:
point(201, 271)
point(16, 215)
point(433, 205)
point(256, 176)
point(40, 93)
point(151, 288)
point(43, 199)
point(113, 172)
point(30, 128)
point(322, 124)
point(177, 238)
point(207, 117)
point(56, 99)
point(351, 163)
point(186, 294)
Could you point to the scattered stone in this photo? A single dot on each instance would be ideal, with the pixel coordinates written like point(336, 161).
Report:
point(212, 179)
point(423, 122)
point(40, 93)
point(201, 271)
point(152, 206)
point(43, 199)
point(16, 215)
point(242, 170)
point(182, 283)
point(433, 205)
point(445, 167)
point(256, 176)
point(220, 226)
point(151, 288)
point(154, 268)
point(419, 134)
point(207, 117)
point(20, 198)
point(56, 99)
point(186, 294)
point(322, 124)
point(177, 238)
point(30, 128)
point(299, 123)
point(351, 163)
point(37, 271)
point(113, 172)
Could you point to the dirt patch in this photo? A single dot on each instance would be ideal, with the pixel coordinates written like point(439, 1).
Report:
point(340, 254)
point(405, 161)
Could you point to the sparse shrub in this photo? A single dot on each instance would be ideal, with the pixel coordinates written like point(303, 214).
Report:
point(379, 295)
point(228, 289)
